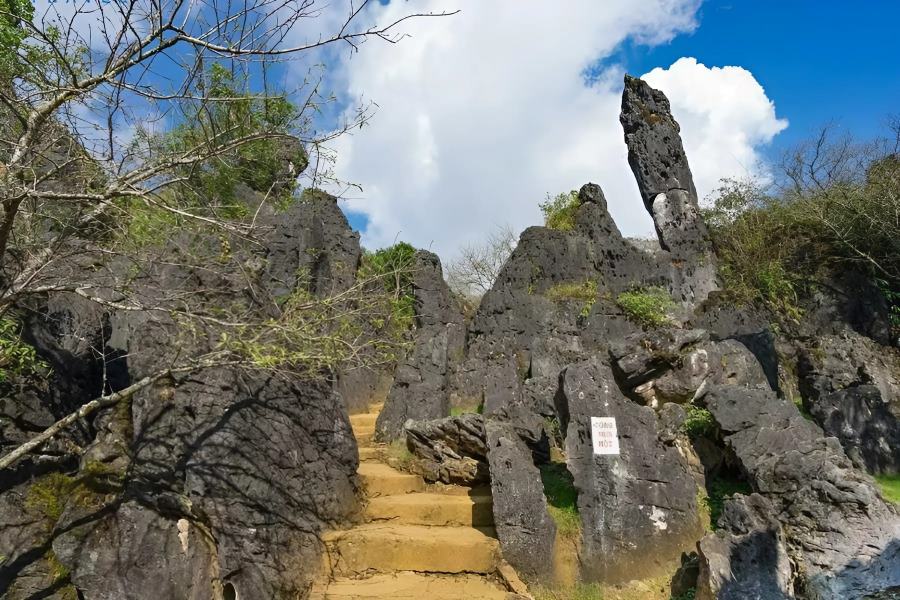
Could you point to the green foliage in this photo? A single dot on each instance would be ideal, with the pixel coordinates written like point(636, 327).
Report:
point(48, 496)
point(148, 225)
point(560, 211)
point(368, 322)
point(16, 356)
point(579, 591)
point(699, 423)
point(582, 291)
point(393, 268)
point(718, 490)
point(59, 573)
point(249, 137)
point(764, 246)
point(778, 249)
point(690, 594)
point(890, 487)
point(12, 34)
point(562, 499)
point(649, 307)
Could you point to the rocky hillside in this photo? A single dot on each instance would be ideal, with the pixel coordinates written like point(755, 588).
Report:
point(624, 421)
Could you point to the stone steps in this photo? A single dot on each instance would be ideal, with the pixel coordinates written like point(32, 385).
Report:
point(363, 420)
point(420, 541)
point(384, 548)
point(369, 453)
point(413, 586)
point(381, 480)
point(433, 509)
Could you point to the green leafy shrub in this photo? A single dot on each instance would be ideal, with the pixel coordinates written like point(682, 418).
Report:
point(581, 291)
point(699, 423)
point(393, 268)
point(257, 126)
point(562, 499)
point(16, 356)
point(649, 307)
point(837, 211)
point(560, 211)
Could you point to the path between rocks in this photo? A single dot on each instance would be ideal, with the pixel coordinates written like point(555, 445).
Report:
point(417, 540)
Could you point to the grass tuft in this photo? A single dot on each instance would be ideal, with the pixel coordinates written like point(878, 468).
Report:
point(890, 487)
point(648, 307)
point(562, 499)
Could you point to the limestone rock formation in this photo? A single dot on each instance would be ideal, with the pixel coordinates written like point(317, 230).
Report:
point(840, 534)
point(451, 450)
point(311, 245)
point(851, 387)
point(220, 480)
point(638, 508)
point(420, 388)
point(660, 166)
point(749, 559)
point(524, 527)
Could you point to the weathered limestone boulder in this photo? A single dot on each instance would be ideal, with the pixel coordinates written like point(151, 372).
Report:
point(450, 450)
point(748, 557)
point(851, 387)
point(673, 365)
point(206, 485)
point(638, 508)
point(420, 389)
point(526, 532)
point(840, 534)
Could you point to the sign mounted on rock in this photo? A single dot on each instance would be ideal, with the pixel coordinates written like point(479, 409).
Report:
point(604, 435)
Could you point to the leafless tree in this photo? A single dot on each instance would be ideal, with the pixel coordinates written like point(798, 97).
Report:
point(114, 112)
point(474, 271)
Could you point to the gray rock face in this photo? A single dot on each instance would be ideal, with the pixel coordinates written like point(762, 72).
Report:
point(639, 508)
point(219, 480)
point(420, 390)
point(524, 527)
point(674, 365)
point(660, 166)
point(749, 559)
point(851, 387)
point(450, 450)
point(311, 247)
point(840, 534)
point(664, 178)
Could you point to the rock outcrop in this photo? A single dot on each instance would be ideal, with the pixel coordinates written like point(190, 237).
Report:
point(851, 387)
point(660, 166)
point(638, 508)
point(839, 533)
point(451, 450)
point(204, 484)
point(420, 388)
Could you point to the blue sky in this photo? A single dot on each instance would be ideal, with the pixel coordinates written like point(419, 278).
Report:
point(817, 60)
point(484, 113)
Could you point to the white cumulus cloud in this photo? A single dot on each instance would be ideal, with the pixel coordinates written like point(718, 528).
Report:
point(725, 116)
point(480, 115)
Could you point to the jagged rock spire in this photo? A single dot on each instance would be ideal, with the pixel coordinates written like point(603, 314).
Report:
point(659, 163)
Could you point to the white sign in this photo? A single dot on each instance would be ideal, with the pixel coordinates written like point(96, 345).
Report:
point(604, 435)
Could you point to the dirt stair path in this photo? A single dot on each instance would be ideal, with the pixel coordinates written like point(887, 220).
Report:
point(418, 541)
